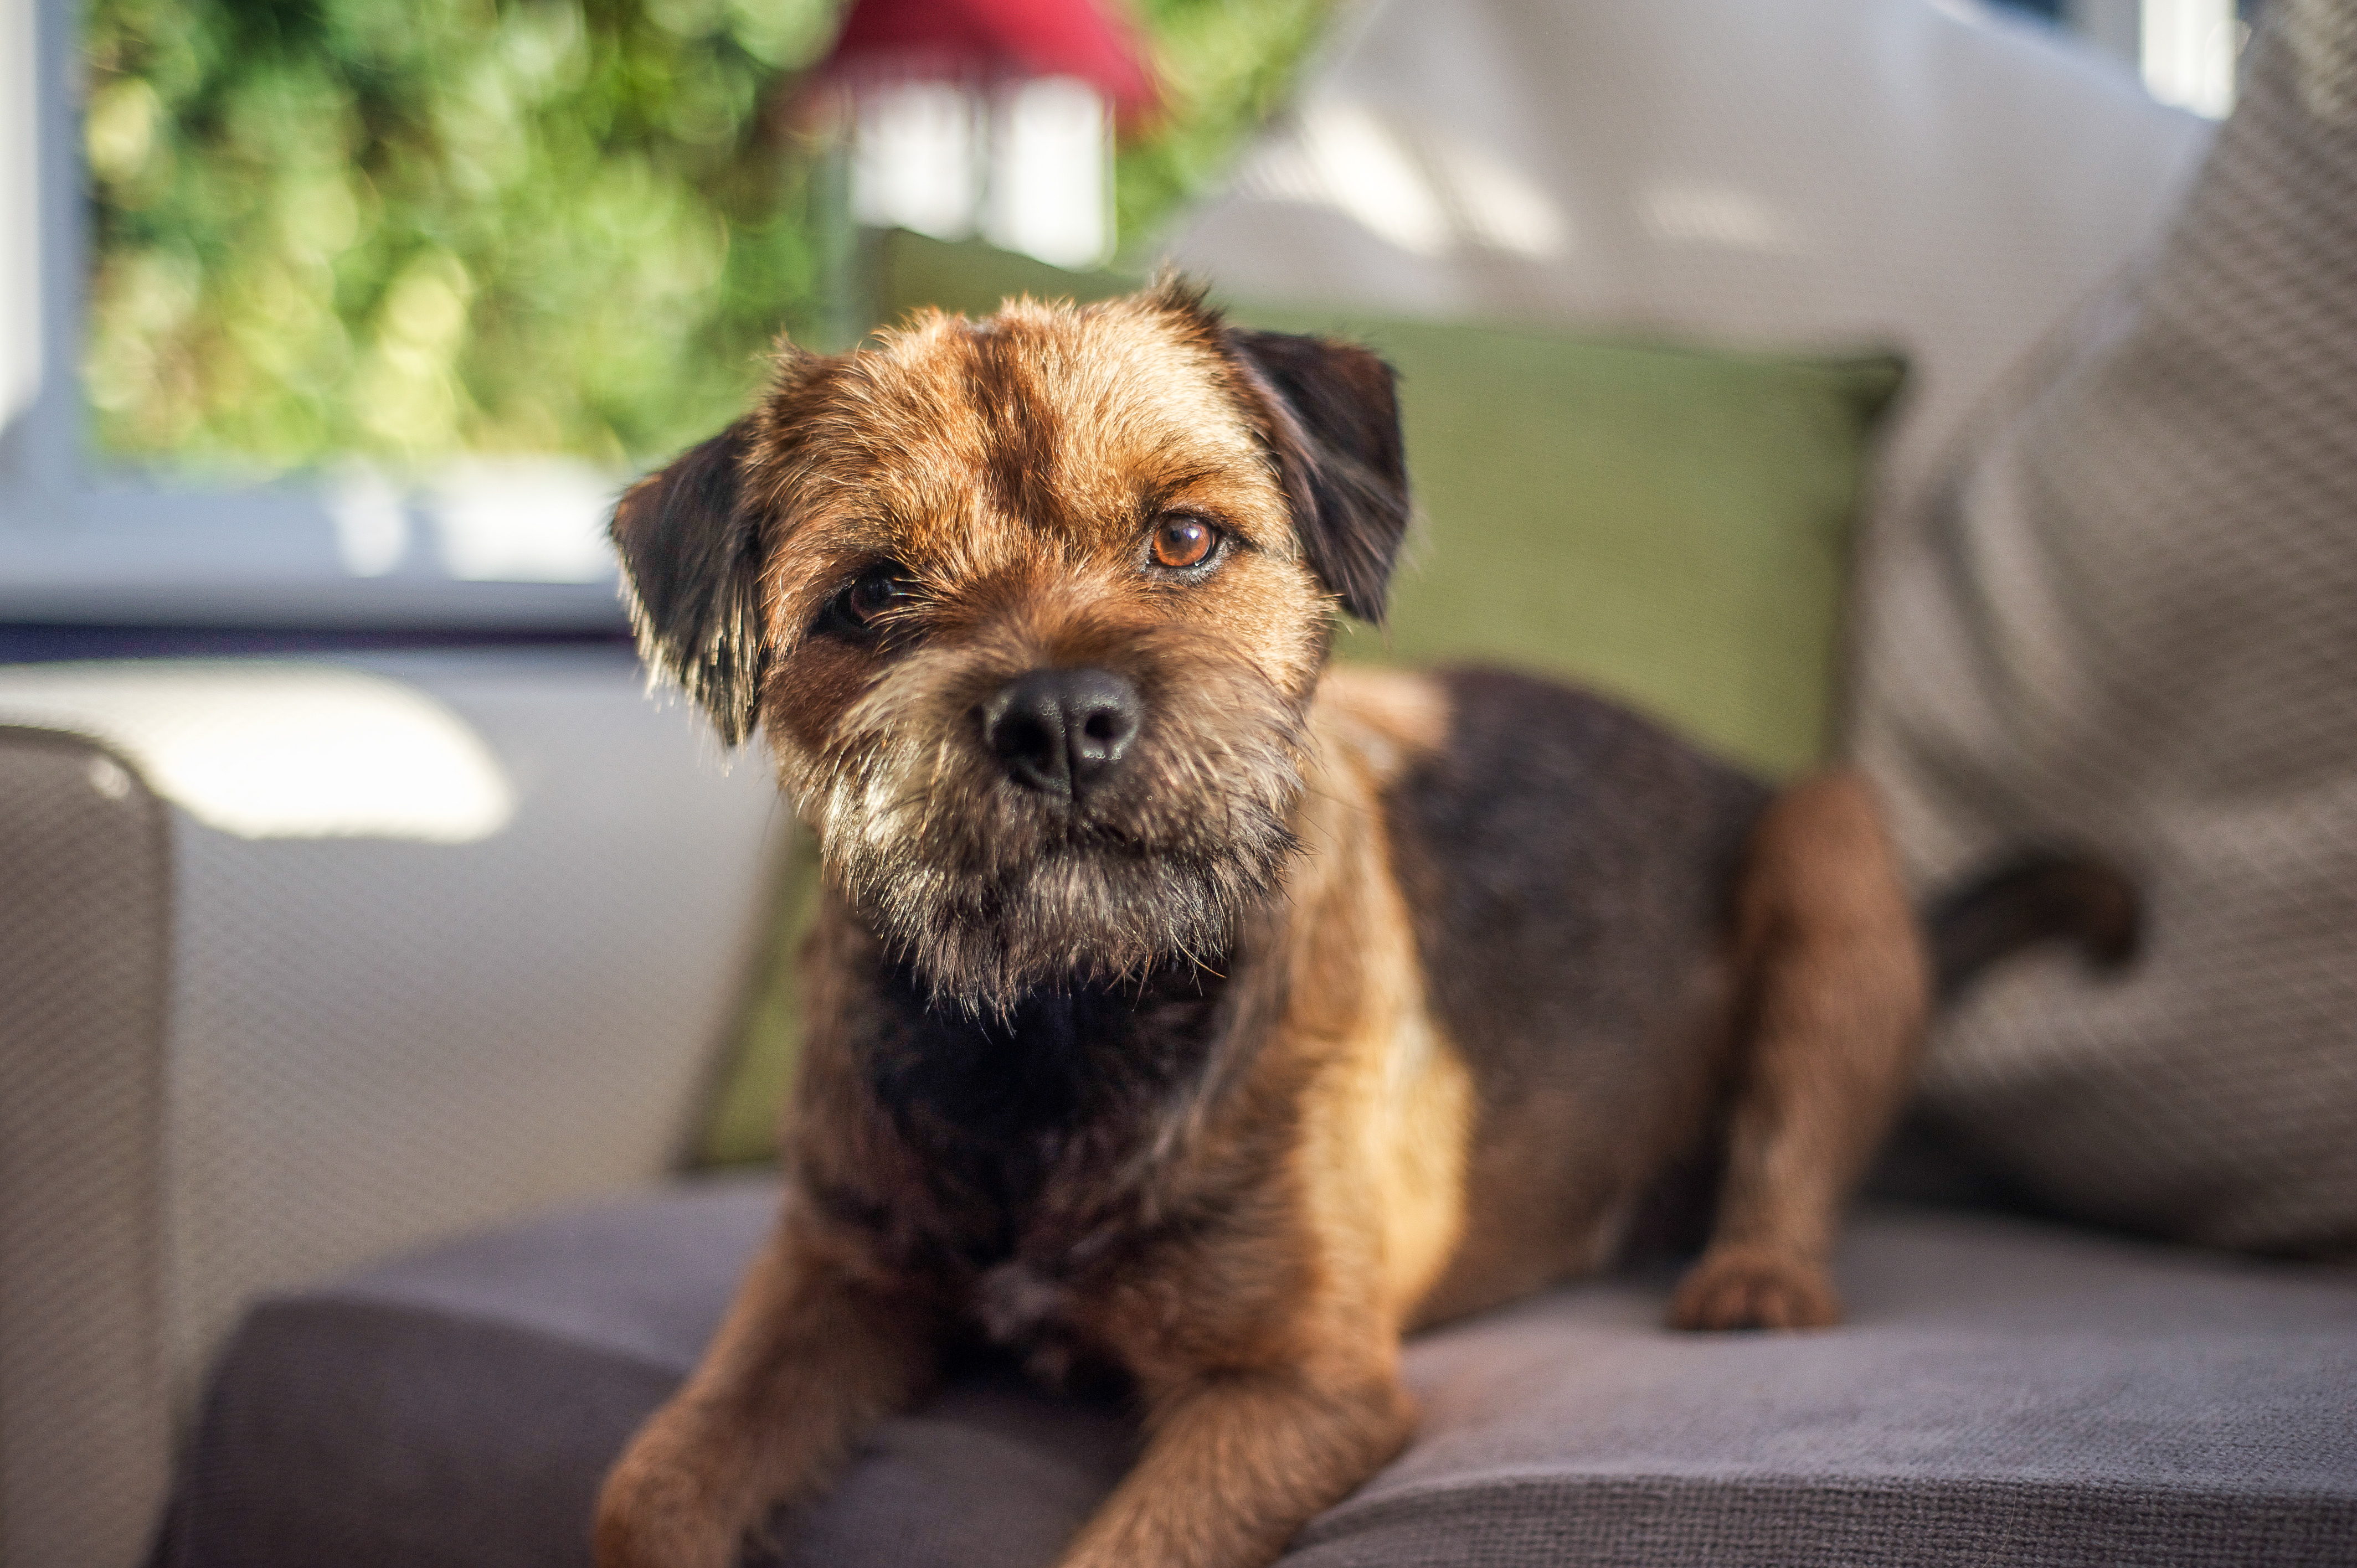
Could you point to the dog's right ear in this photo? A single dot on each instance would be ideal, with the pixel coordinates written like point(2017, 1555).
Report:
point(1329, 413)
point(691, 565)
point(1334, 430)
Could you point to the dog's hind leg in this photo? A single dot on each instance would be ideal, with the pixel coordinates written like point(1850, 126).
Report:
point(1837, 987)
point(817, 1346)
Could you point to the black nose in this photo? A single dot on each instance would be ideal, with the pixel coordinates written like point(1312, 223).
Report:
point(1062, 731)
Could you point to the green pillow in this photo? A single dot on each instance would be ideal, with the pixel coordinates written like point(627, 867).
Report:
point(909, 271)
point(1670, 525)
point(757, 1066)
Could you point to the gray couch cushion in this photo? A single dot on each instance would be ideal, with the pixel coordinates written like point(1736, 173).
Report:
point(2006, 1391)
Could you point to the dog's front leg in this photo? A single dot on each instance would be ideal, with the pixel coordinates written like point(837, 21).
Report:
point(1235, 1462)
point(818, 1344)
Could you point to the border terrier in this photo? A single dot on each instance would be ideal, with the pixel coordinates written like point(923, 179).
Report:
point(1181, 1009)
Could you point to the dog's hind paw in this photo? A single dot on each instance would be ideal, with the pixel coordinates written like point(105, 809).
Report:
point(1749, 1287)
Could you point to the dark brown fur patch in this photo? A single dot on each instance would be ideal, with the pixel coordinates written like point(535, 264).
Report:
point(1334, 425)
point(1022, 424)
point(691, 557)
point(1346, 1002)
point(1553, 823)
point(2044, 896)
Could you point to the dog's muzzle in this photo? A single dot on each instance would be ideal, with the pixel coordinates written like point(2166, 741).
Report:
point(1062, 732)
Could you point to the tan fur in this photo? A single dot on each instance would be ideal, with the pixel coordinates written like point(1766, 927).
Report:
point(1840, 991)
point(1383, 1150)
point(1385, 1109)
point(1248, 1242)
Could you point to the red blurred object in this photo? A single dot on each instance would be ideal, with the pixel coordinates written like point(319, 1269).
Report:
point(990, 40)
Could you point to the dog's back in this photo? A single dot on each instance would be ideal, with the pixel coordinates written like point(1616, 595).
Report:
point(1182, 1006)
point(1569, 871)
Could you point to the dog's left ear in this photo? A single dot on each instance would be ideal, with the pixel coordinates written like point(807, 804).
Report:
point(690, 564)
point(1335, 432)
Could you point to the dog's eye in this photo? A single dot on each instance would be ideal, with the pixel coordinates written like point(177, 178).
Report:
point(1182, 541)
point(884, 586)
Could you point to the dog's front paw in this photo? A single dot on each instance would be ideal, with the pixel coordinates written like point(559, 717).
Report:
point(656, 1510)
point(1751, 1287)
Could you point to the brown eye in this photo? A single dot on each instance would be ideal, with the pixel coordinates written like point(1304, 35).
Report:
point(1184, 542)
point(885, 585)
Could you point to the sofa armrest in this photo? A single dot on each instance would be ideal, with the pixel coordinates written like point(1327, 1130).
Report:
point(311, 961)
point(84, 884)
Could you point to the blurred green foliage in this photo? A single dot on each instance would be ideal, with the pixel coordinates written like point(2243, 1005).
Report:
point(403, 229)
point(1222, 66)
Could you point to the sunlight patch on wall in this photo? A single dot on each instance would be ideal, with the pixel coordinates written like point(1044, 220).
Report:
point(1422, 189)
point(268, 750)
point(1689, 213)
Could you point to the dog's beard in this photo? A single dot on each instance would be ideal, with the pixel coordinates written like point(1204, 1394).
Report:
point(991, 891)
point(985, 936)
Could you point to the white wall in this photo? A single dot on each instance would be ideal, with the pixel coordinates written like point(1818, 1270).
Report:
point(20, 281)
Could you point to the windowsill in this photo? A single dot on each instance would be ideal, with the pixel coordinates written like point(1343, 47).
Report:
point(489, 549)
point(325, 603)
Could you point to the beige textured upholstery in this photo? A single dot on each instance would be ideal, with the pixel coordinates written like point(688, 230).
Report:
point(84, 879)
point(2130, 621)
point(303, 964)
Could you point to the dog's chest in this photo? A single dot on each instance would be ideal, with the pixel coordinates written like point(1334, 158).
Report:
point(1032, 1132)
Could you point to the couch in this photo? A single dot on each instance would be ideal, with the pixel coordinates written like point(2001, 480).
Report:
point(342, 1167)
point(466, 960)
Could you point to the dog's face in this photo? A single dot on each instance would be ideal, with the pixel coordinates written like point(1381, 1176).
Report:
point(1031, 610)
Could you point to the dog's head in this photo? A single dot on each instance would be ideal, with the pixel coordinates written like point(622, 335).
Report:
point(1031, 609)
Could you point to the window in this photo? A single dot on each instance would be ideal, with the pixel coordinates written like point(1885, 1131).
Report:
point(2186, 50)
point(386, 510)
point(161, 480)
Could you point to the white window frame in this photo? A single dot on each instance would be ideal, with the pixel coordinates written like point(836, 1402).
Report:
point(83, 543)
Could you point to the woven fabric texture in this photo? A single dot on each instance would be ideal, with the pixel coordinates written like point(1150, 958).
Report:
point(2130, 621)
point(376, 1043)
point(375, 1005)
point(85, 877)
point(2005, 1392)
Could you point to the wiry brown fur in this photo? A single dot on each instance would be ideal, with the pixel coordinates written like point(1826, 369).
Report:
point(1013, 470)
point(1345, 1003)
